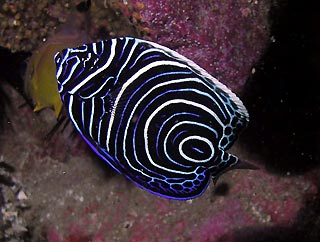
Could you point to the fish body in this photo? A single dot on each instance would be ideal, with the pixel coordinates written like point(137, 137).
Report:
point(152, 114)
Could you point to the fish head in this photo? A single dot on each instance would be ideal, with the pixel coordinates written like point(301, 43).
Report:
point(73, 65)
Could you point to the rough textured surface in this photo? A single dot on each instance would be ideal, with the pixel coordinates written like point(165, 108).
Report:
point(226, 38)
point(70, 195)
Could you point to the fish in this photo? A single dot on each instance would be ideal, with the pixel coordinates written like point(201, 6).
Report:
point(152, 114)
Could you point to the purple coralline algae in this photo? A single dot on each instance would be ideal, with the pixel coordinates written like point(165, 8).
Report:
point(226, 38)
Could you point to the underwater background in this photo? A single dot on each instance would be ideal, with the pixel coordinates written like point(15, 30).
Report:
point(54, 188)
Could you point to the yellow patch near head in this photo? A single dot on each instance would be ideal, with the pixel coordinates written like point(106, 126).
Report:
point(41, 84)
point(40, 80)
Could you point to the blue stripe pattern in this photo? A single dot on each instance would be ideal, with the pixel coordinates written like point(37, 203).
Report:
point(152, 114)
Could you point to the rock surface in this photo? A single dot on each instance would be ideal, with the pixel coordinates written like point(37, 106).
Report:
point(226, 38)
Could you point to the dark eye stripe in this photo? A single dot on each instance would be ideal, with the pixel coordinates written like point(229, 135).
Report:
point(152, 114)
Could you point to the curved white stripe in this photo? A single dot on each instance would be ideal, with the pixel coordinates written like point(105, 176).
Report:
point(182, 123)
point(144, 53)
point(99, 131)
point(196, 137)
point(82, 115)
point(203, 73)
point(105, 66)
point(133, 112)
point(74, 66)
point(71, 114)
point(128, 82)
point(62, 61)
point(98, 90)
point(91, 117)
point(174, 101)
point(128, 57)
point(94, 48)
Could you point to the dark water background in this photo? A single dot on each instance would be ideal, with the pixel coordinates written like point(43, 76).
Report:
point(283, 96)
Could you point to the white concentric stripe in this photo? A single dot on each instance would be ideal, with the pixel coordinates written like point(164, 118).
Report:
point(146, 52)
point(71, 114)
point(103, 108)
point(204, 73)
point(94, 48)
point(62, 61)
point(131, 80)
point(83, 115)
point(65, 58)
point(98, 90)
point(197, 80)
point(196, 137)
point(87, 59)
point(105, 66)
point(91, 117)
point(164, 124)
point(192, 68)
point(127, 58)
point(174, 101)
point(74, 66)
point(165, 52)
point(174, 127)
point(133, 112)
point(99, 131)
point(183, 123)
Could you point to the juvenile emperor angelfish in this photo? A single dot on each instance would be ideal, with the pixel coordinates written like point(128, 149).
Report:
point(152, 114)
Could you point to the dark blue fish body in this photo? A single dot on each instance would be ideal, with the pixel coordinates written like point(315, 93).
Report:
point(152, 114)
